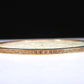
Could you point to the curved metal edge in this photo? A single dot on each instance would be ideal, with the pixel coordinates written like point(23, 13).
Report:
point(42, 51)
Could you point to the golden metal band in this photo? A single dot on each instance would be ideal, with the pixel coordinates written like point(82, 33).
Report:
point(41, 51)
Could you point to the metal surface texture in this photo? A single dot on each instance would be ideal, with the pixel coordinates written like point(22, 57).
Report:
point(43, 50)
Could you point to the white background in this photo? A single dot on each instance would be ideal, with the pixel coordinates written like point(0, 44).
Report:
point(42, 69)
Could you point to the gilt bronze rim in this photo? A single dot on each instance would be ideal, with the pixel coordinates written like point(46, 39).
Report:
point(42, 51)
